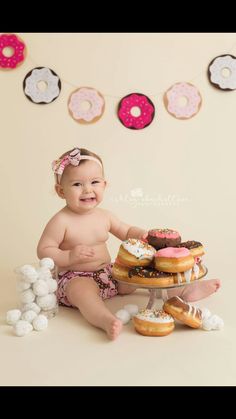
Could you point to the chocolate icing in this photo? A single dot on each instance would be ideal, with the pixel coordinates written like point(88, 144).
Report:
point(178, 302)
point(147, 272)
point(190, 244)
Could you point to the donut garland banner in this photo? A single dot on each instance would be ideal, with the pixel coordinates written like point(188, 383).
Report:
point(32, 80)
point(221, 74)
point(17, 48)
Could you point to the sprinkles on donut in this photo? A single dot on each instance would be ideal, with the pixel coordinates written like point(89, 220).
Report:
point(145, 105)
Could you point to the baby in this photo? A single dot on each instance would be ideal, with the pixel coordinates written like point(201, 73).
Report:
point(75, 238)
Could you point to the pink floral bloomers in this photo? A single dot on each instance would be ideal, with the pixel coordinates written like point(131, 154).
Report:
point(107, 285)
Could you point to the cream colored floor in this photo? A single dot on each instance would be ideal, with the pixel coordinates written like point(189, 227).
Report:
point(73, 353)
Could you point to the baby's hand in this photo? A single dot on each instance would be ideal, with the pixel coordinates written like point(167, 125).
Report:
point(80, 254)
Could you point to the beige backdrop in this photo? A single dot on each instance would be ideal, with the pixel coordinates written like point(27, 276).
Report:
point(176, 174)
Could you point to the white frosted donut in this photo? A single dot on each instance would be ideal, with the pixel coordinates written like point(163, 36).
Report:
point(86, 95)
point(215, 72)
point(178, 91)
point(42, 74)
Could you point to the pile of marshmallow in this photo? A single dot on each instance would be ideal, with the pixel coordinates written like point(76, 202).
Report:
point(209, 321)
point(36, 288)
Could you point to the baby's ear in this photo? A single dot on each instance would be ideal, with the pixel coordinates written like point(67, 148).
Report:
point(59, 191)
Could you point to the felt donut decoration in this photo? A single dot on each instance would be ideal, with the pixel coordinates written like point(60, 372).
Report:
point(216, 72)
point(31, 85)
point(91, 97)
point(182, 91)
point(146, 109)
point(18, 48)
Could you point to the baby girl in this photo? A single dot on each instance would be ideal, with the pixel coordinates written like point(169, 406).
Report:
point(75, 238)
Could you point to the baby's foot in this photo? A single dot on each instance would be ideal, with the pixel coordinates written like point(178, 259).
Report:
point(113, 327)
point(200, 290)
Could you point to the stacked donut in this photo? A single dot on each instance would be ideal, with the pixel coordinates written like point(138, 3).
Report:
point(161, 261)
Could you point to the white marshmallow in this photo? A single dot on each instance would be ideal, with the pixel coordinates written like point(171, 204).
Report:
point(40, 288)
point(132, 309)
point(40, 322)
point(123, 315)
point(47, 302)
point(28, 316)
point(22, 328)
point(47, 263)
point(31, 306)
point(27, 296)
point(13, 316)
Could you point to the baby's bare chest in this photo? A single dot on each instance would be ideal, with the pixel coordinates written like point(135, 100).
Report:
point(87, 231)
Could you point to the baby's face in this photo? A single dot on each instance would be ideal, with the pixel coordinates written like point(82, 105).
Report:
point(83, 186)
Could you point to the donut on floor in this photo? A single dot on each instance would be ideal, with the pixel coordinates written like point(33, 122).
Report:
point(173, 259)
point(184, 312)
point(196, 248)
point(165, 237)
point(153, 323)
point(134, 252)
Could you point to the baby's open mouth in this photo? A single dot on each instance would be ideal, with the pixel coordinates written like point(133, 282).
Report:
point(87, 199)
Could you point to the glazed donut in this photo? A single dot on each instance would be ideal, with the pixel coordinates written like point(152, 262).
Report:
point(184, 312)
point(160, 238)
point(153, 323)
point(196, 249)
point(173, 259)
point(90, 96)
point(52, 81)
point(19, 51)
point(215, 68)
point(182, 90)
point(148, 276)
point(134, 252)
point(145, 106)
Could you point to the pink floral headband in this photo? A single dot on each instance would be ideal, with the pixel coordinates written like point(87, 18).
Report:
point(73, 158)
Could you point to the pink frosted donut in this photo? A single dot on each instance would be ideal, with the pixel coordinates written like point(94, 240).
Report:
point(170, 259)
point(18, 56)
point(90, 96)
point(178, 91)
point(145, 106)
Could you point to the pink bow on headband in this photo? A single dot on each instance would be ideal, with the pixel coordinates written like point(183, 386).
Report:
point(74, 157)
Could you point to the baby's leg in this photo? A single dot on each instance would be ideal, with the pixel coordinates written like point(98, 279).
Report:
point(196, 291)
point(125, 289)
point(83, 293)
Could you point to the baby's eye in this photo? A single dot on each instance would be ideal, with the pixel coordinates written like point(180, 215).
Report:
point(95, 181)
point(77, 184)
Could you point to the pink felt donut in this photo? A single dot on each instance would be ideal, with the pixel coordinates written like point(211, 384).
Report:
point(18, 56)
point(145, 106)
point(178, 91)
point(86, 95)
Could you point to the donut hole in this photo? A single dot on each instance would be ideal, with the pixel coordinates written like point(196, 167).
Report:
point(182, 101)
point(135, 111)
point(8, 52)
point(226, 72)
point(85, 105)
point(42, 85)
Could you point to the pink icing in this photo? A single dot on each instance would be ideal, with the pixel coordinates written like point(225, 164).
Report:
point(90, 95)
point(170, 234)
point(145, 105)
point(18, 47)
point(183, 90)
point(173, 252)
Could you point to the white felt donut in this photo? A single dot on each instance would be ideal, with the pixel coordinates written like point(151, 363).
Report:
point(182, 90)
point(42, 74)
point(215, 72)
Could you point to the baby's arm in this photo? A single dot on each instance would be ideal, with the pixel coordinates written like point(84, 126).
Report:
point(52, 237)
point(125, 231)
